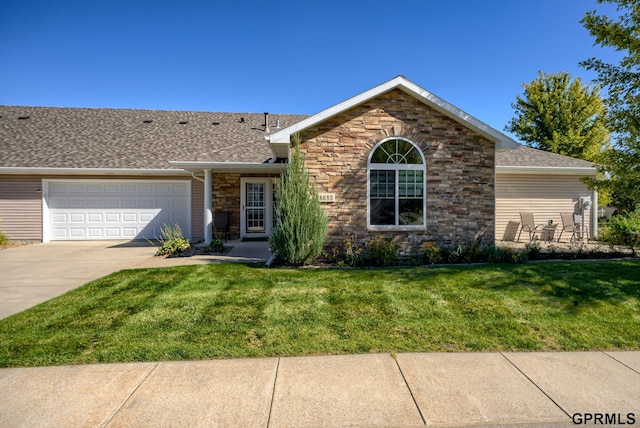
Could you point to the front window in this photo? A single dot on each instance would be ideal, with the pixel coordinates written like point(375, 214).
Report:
point(396, 185)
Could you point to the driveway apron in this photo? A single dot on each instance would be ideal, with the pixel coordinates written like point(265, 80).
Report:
point(36, 273)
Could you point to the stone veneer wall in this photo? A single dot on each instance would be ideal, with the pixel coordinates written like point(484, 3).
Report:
point(460, 171)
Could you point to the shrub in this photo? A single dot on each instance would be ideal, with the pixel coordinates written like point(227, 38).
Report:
point(381, 251)
point(376, 252)
point(215, 246)
point(469, 252)
point(493, 254)
point(301, 224)
point(172, 240)
point(431, 254)
point(3, 238)
point(475, 252)
point(624, 230)
point(512, 255)
point(532, 250)
point(347, 254)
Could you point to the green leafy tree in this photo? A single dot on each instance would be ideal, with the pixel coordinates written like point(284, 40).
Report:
point(561, 115)
point(301, 223)
point(621, 161)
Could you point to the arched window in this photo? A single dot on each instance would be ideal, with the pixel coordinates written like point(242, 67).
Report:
point(397, 174)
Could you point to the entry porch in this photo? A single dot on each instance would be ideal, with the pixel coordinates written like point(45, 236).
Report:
point(243, 191)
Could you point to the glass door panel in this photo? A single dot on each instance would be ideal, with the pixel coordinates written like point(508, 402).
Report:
point(255, 209)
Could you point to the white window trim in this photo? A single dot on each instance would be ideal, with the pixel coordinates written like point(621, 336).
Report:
point(397, 167)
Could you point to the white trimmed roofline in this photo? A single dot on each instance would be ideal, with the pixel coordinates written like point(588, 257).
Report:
point(197, 166)
point(280, 140)
point(89, 171)
point(581, 171)
point(185, 169)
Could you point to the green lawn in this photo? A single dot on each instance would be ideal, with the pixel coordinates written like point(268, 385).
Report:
point(223, 311)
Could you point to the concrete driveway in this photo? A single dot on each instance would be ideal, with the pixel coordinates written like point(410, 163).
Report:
point(32, 274)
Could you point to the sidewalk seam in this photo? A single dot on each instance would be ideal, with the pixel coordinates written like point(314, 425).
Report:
point(409, 388)
point(536, 385)
point(16, 373)
point(273, 392)
point(126, 400)
point(620, 362)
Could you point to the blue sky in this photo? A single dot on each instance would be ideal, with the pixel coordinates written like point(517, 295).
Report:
point(285, 56)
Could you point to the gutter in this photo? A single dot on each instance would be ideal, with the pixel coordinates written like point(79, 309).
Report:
point(582, 171)
point(230, 167)
point(90, 171)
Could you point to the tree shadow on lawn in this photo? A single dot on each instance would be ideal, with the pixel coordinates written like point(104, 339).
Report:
point(570, 284)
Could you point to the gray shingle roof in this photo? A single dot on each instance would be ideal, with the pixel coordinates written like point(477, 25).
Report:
point(47, 137)
point(528, 157)
point(118, 138)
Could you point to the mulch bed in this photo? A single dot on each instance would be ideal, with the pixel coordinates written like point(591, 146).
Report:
point(14, 244)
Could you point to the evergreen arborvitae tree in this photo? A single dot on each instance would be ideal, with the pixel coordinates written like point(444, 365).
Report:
point(301, 223)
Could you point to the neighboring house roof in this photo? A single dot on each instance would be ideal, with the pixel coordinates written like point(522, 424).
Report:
point(43, 137)
point(280, 140)
point(526, 160)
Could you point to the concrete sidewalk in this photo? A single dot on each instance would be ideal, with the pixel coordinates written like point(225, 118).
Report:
point(372, 390)
point(240, 252)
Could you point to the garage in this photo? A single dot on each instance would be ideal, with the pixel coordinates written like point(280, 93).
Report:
point(114, 209)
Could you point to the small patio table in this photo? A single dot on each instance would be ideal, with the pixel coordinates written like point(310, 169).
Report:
point(548, 231)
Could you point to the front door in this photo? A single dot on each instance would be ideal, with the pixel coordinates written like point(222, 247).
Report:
point(256, 197)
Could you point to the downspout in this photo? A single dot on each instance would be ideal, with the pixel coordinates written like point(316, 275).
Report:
point(208, 207)
point(193, 174)
point(495, 195)
point(594, 214)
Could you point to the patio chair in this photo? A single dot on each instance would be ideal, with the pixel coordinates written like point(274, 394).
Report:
point(528, 224)
point(569, 224)
point(511, 231)
point(221, 224)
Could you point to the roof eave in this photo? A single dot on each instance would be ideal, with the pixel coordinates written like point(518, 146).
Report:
point(279, 150)
point(229, 167)
point(87, 171)
point(580, 171)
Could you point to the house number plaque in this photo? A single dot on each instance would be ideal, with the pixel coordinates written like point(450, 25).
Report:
point(327, 198)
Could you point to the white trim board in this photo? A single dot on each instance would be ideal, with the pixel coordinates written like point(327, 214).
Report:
point(280, 140)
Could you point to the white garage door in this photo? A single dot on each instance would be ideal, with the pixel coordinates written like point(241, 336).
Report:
point(114, 209)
